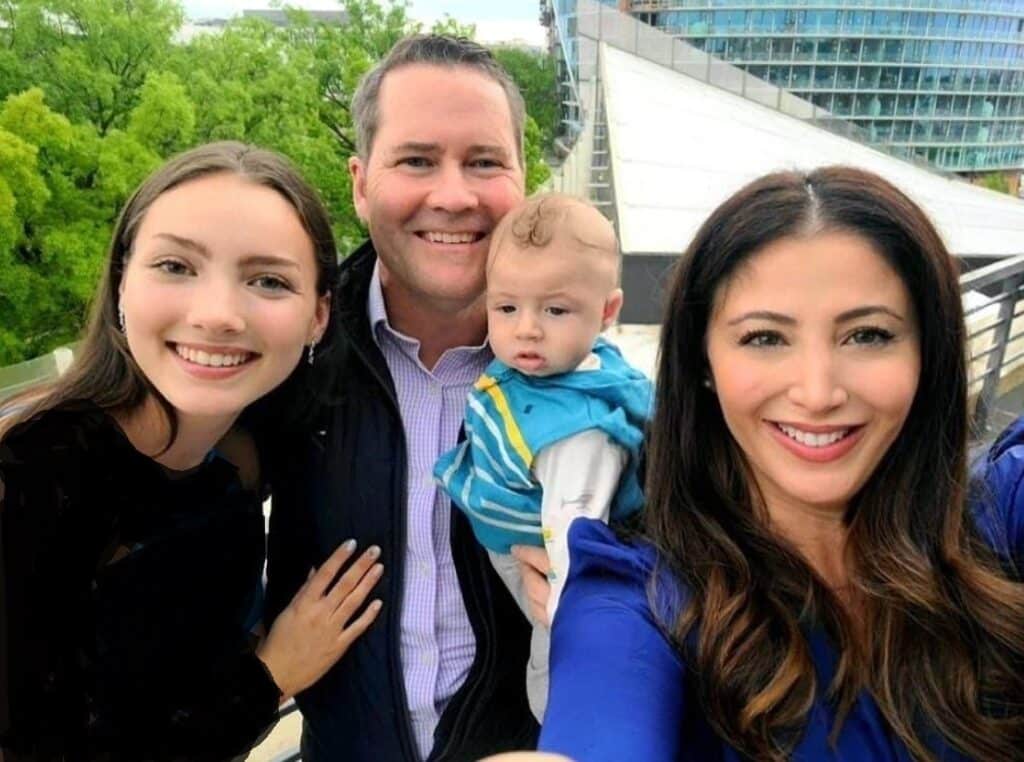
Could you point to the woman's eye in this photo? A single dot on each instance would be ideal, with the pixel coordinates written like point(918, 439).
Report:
point(762, 339)
point(271, 283)
point(871, 336)
point(172, 267)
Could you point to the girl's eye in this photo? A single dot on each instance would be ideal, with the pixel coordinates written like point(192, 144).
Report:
point(871, 336)
point(271, 283)
point(172, 267)
point(762, 339)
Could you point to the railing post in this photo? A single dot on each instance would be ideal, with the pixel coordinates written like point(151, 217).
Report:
point(1000, 334)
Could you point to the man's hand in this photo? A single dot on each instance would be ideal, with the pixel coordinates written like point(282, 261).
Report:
point(534, 567)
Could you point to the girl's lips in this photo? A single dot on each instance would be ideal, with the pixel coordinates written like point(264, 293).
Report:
point(823, 454)
point(210, 373)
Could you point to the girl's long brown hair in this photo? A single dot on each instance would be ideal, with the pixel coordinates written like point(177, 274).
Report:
point(104, 372)
point(942, 616)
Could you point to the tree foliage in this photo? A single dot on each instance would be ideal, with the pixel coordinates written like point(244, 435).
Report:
point(94, 94)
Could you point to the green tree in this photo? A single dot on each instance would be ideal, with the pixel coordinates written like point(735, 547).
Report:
point(996, 181)
point(535, 74)
point(164, 121)
point(91, 57)
point(94, 94)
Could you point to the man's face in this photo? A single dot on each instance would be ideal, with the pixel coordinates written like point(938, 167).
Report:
point(441, 173)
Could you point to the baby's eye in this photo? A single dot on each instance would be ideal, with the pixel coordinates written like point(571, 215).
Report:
point(871, 336)
point(762, 339)
point(505, 309)
point(558, 311)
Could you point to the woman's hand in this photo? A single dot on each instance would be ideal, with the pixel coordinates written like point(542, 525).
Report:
point(314, 631)
point(534, 566)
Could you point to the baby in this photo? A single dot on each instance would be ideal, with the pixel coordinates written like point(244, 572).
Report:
point(554, 426)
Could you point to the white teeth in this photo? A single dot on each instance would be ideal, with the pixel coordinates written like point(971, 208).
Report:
point(813, 440)
point(211, 360)
point(450, 237)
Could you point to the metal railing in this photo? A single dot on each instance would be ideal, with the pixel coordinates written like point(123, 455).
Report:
point(994, 309)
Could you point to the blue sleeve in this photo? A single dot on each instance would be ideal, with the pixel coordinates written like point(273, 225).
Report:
point(998, 493)
point(617, 685)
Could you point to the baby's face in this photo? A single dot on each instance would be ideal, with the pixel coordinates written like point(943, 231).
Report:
point(545, 307)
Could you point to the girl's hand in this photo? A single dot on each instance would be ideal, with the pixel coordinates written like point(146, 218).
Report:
point(314, 631)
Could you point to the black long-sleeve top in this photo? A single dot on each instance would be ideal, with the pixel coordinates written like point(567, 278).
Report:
point(126, 598)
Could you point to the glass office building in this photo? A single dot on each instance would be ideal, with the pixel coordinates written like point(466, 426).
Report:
point(944, 78)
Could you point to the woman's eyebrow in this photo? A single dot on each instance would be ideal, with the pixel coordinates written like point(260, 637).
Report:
point(776, 317)
point(870, 309)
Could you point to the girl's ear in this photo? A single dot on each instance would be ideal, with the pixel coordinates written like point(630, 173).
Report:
point(320, 318)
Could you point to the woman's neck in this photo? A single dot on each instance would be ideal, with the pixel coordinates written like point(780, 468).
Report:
point(149, 429)
point(819, 533)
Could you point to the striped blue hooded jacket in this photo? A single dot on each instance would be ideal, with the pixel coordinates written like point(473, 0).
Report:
point(510, 417)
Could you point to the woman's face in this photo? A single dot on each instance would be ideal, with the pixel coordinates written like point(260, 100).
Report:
point(219, 294)
point(814, 355)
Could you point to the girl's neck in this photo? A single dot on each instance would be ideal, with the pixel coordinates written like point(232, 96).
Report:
point(149, 429)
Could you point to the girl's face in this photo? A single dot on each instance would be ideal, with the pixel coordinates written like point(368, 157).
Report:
point(815, 357)
point(219, 294)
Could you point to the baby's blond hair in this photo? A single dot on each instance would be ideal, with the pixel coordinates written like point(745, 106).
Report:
point(541, 219)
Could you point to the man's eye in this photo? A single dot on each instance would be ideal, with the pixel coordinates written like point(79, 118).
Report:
point(486, 163)
point(762, 339)
point(416, 162)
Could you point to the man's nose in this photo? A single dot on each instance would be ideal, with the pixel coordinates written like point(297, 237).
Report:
point(452, 191)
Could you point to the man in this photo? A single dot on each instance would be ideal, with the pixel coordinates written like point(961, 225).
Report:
point(440, 160)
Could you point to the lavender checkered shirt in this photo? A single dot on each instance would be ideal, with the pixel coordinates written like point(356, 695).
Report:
point(438, 646)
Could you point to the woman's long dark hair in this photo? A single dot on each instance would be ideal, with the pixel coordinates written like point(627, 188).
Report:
point(943, 620)
point(104, 372)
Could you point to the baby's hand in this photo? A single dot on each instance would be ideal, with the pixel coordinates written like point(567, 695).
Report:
point(534, 567)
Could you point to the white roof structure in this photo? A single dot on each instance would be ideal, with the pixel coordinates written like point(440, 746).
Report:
point(679, 147)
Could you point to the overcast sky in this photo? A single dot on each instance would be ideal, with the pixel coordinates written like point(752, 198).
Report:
point(495, 19)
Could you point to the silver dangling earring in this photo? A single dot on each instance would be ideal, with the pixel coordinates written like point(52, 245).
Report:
point(708, 384)
point(312, 346)
point(120, 318)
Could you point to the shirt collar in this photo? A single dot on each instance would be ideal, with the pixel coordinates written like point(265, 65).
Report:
point(377, 311)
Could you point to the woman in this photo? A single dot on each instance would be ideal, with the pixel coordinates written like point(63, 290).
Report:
point(131, 527)
point(813, 585)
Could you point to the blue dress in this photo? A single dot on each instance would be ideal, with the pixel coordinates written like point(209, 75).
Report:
point(619, 689)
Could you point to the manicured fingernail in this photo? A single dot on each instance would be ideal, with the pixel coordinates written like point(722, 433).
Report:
point(376, 605)
point(373, 552)
point(349, 545)
point(377, 570)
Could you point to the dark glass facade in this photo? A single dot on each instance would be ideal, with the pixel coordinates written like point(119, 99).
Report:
point(944, 78)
